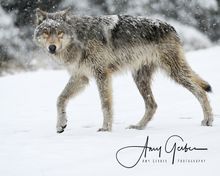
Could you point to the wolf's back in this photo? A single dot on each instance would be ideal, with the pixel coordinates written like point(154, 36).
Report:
point(122, 29)
point(131, 30)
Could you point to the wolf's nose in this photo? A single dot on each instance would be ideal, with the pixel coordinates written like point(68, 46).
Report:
point(52, 49)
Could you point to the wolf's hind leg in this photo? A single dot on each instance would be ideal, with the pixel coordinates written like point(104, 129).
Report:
point(142, 78)
point(180, 71)
point(200, 94)
point(73, 87)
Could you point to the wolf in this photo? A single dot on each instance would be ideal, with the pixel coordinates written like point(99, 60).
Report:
point(101, 46)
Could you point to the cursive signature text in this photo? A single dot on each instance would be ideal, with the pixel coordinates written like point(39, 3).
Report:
point(173, 144)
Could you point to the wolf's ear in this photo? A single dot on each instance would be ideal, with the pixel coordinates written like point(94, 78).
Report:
point(64, 13)
point(40, 16)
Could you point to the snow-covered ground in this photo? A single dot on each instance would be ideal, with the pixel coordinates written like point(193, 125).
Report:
point(30, 146)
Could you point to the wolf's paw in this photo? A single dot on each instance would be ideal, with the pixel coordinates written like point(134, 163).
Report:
point(207, 122)
point(61, 129)
point(136, 127)
point(61, 125)
point(103, 130)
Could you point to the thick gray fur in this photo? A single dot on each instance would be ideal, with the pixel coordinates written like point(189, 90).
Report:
point(101, 46)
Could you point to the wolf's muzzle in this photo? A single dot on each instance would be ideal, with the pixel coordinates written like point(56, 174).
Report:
point(52, 49)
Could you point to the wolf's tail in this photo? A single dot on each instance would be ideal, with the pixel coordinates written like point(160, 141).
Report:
point(203, 84)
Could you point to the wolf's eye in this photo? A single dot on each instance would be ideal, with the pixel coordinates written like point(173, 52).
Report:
point(60, 34)
point(45, 33)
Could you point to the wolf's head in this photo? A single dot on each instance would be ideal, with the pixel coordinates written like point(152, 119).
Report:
point(52, 31)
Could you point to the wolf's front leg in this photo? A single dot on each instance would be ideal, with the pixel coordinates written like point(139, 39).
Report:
point(105, 91)
point(74, 86)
